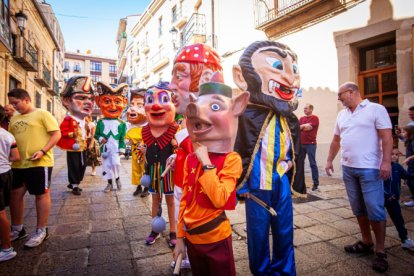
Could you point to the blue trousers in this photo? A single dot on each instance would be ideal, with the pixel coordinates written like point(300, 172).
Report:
point(259, 221)
point(392, 204)
point(310, 150)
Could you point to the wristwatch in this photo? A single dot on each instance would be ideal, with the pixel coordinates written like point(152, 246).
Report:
point(208, 167)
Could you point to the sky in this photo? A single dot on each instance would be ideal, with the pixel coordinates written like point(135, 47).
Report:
point(93, 24)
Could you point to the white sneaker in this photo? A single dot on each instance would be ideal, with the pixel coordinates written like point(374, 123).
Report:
point(37, 238)
point(184, 264)
point(93, 173)
point(7, 254)
point(409, 243)
point(17, 235)
point(409, 203)
point(108, 188)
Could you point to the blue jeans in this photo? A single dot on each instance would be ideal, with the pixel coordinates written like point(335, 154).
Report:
point(310, 150)
point(392, 204)
point(365, 191)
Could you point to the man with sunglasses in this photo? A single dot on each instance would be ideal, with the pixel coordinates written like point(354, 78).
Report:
point(78, 99)
point(363, 133)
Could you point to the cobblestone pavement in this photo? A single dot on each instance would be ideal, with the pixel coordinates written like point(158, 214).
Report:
point(103, 234)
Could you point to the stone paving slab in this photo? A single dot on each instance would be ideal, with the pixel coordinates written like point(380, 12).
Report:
point(101, 233)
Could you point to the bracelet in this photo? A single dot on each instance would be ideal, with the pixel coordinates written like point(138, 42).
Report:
point(44, 153)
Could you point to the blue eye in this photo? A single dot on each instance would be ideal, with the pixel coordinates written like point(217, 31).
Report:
point(275, 63)
point(295, 69)
point(215, 107)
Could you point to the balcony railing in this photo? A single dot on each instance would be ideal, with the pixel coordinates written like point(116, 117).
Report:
point(158, 60)
point(25, 54)
point(5, 36)
point(56, 86)
point(195, 30)
point(43, 77)
point(144, 46)
point(281, 17)
point(268, 10)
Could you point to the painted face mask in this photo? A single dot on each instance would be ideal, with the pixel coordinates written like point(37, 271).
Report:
point(111, 99)
point(136, 111)
point(159, 109)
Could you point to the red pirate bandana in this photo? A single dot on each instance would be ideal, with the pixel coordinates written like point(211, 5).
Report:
point(198, 53)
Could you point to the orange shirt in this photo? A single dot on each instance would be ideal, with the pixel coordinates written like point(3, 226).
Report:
point(218, 188)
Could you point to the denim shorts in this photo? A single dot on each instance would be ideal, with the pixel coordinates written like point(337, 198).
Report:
point(365, 191)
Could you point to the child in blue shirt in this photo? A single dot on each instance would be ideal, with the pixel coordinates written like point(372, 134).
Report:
point(392, 189)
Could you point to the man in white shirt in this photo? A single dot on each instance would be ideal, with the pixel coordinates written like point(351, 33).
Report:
point(363, 133)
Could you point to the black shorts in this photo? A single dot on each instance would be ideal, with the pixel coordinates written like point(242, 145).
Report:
point(5, 189)
point(36, 179)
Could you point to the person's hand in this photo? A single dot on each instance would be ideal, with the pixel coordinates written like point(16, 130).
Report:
point(329, 169)
point(202, 153)
point(142, 148)
point(36, 156)
point(171, 160)
point(179, 248)
point(290, 165)
point(385, 170)
point(245, 195)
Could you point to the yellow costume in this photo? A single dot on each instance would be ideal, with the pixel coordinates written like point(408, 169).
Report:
point(138, 161)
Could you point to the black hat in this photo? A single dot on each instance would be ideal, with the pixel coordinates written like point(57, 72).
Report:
point(78, 84)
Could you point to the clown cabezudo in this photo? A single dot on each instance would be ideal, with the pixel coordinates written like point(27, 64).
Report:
point(78, 98)
point(111, 130)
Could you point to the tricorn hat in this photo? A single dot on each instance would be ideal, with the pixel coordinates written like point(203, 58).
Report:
point(112, 89)
point(78, 84)
point(198, 53)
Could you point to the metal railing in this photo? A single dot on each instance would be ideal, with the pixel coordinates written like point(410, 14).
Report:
point(195, 26)
point(5, 32)
point(56, 86)
point(268, 10)
point(46, 75)
point(155, 59)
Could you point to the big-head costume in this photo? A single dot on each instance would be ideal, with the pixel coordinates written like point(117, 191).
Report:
point(210, 178)
point(268, 131)
point(78, 98)
point(111, 130)
point(137, 119)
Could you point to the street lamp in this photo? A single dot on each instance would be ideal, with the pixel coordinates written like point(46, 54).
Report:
point(21, 21)
point(174, 34)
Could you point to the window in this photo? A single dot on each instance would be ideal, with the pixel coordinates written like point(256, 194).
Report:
point(38, 100)
point(66, 67)
point(160, 26)
point(13, 83)
point(378, 77)
point(96, 78)
point(112, 68)
point(76, 68)
point(96, 66)
point(49, 106)
point(174, 14)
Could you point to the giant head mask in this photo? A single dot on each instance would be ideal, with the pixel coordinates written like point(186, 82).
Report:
point(269, 71)
point(78, 96)
point(136, 111)
point(159, 109)
point(111, 99)
point(212, 116)
point(193, 65)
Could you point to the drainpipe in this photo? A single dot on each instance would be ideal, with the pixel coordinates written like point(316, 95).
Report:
point(213, 40)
